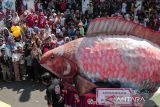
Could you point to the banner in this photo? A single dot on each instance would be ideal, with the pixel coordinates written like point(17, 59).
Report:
point(117, 96)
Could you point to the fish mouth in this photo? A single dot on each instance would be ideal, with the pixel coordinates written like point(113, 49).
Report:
point(50, 69)
point(59, 66)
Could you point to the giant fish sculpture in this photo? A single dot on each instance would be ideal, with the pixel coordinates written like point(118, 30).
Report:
point(114, 50)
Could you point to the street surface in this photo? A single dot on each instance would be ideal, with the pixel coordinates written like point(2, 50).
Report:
point(22, 94)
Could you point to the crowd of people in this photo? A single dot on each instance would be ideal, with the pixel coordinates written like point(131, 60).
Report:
point(27, 34)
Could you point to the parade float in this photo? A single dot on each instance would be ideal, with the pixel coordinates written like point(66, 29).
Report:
point(115, 53)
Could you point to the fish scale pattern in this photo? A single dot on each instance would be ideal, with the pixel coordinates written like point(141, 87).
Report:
point(116, 59)
point(113, 49)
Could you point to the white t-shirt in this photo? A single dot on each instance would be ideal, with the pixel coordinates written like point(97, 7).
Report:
point(124, 5)
point(15, 57)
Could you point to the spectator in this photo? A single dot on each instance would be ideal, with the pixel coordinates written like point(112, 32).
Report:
point(15, 60)
point(62, 20)
point(72, 32)
point(22, 67)
point(4, 60)
point(10, 45)
point(124, 8)
point(49, 44)
point(30, 20)
point(16, 18)
point(63, 5)
point(41, 20)
point(90, 9)
point(54, 91)
point(35, 54)
point(51, 5)
point(81, 29)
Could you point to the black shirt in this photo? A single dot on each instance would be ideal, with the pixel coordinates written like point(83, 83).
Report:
point(54, 94)
point(4, 60)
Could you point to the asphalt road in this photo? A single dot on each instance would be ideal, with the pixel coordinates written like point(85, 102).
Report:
point(23, 94)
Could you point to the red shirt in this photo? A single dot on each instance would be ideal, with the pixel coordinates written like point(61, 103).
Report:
point(63, 5)
point(41, 21)
point(31, 21)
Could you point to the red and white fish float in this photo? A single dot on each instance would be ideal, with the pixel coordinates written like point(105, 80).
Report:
point(113, 50)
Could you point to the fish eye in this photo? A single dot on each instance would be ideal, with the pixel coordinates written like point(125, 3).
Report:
point(68, 69)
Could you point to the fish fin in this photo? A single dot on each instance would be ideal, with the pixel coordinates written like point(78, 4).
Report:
point(119, 26)
point(83, 85)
